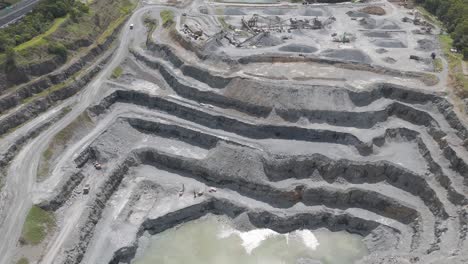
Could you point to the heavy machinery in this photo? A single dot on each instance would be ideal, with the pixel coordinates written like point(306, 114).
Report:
point(97, 165)
point(344, 38)
point(86, 189)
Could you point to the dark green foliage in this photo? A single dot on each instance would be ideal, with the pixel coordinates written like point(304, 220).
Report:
point(10, 60)
point(460, 34)
point(454, 14)
point(38, 21)
point(82, 8)
point(5, 41)
point(10, 67)
point(78, 10)
point(58, 49)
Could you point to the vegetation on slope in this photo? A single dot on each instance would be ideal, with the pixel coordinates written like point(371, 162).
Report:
point(38, 223)
point(150, 23)
point(167, 17)
point(42, 18)
point(458, 80)
point(456, 23)
point(23, 261)
point(454, 15)
point(117, 72)
point(60, 141)
point(60, 34)
point(438, 66)
point(225, 24)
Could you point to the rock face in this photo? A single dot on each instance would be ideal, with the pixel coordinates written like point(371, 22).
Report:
point(466, 105)
point(28, 111)
point(261, 177)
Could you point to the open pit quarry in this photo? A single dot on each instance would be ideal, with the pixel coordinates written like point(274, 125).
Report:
point(282, 121)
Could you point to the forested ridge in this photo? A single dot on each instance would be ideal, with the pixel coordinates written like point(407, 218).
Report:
point(38, 21)
point(454, 14)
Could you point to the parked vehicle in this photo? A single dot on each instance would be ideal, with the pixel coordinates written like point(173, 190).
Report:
point(86, 189)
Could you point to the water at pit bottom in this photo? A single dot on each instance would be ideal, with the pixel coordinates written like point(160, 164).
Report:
point(213, 240)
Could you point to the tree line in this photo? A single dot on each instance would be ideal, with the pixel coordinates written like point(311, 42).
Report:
point(38, 21)
point(454, 14)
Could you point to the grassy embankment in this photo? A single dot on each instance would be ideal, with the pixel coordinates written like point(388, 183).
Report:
point(73, 34)
point(23, 261)
point(150, 23)
point(458, 80)
point(455, 60)
point(38, 223)
point(42, 38)
point(60, 141)
point(167, 17)
point(117, 72)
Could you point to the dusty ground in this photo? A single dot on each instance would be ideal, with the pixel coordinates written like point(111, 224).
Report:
point(305, 133)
